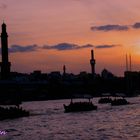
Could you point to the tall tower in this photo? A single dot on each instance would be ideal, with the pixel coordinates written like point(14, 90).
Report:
point(5, 64)
point(128, 63)
point(92, 62)
point(64, 70)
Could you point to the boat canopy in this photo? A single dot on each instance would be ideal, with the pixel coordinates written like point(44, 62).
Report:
point(86, 96)
point(106, 94)
point(120, 95)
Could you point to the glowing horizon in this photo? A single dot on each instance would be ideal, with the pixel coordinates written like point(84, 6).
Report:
point(112, 28)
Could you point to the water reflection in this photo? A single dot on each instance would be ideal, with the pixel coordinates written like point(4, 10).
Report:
point(48, 121)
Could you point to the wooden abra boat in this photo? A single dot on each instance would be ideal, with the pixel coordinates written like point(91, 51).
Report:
point(79, 106)
point(120, 101)
point(105, 99)
point(10, 107)
point(12, 112)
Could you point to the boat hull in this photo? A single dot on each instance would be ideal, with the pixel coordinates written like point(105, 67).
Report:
point(105, 100)
point(118, 102)
point(78, 107)
point(12, 112)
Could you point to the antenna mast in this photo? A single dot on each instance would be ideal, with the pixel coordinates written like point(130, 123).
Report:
point(130, 62)
point(126, 63)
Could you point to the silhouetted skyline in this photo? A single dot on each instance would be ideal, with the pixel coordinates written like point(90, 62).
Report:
point(38, 33)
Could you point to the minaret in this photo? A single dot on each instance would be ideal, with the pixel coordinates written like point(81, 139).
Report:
point(64, 70)
point(92, 62)
point(5, 64)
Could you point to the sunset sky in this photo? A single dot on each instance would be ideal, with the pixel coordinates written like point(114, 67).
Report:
point(46, 34)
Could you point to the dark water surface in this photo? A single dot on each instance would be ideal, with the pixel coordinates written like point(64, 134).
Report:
point(49, 122)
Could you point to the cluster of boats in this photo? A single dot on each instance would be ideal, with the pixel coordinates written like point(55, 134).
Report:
point(88, 106)
point(15, 112)
point(119, 100)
